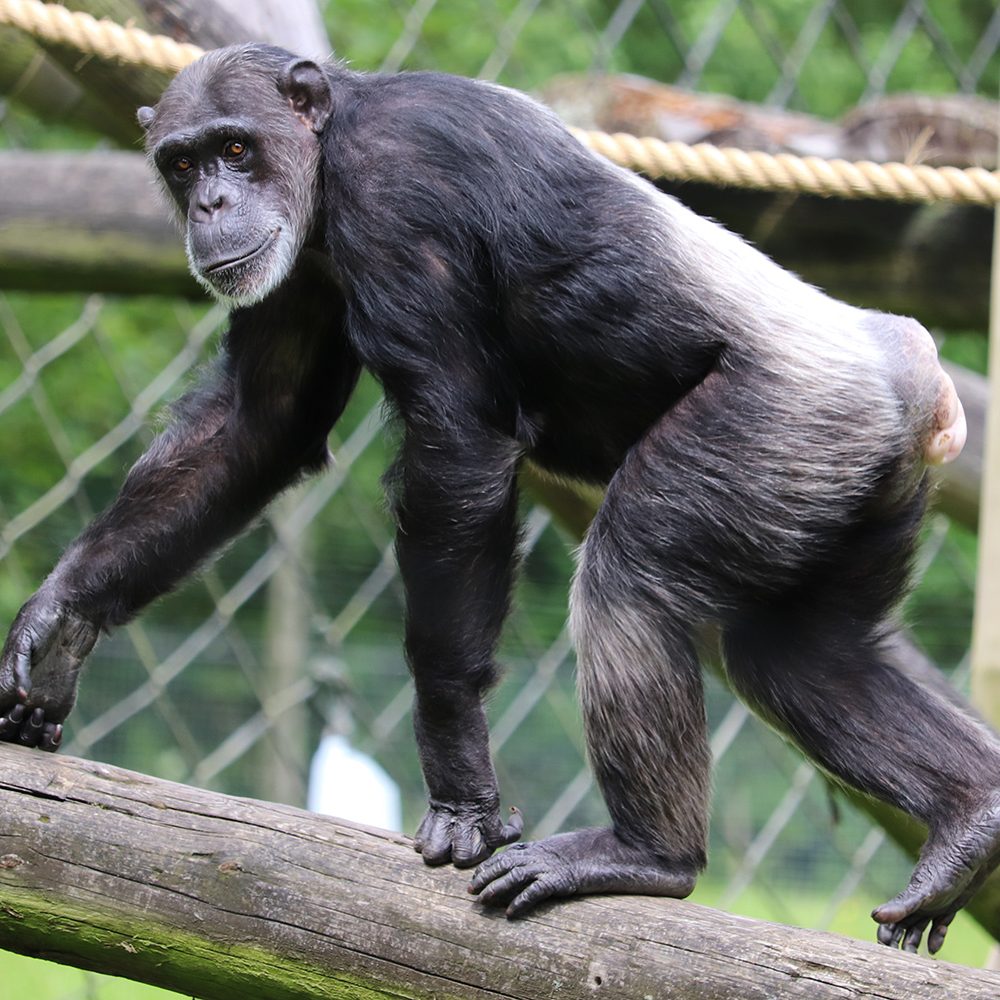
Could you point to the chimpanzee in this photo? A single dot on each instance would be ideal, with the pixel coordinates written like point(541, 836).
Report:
point(763, 449)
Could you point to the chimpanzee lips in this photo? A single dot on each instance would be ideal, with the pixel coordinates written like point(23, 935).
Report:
point(228, 262)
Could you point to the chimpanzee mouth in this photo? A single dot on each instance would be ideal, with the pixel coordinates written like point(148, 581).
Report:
point(228, 262)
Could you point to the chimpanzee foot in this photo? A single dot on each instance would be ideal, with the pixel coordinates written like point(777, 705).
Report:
point(576, 864)
point(464, 833)
point(951, 868)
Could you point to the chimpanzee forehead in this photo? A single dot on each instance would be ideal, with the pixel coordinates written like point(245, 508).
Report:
point(220, 85)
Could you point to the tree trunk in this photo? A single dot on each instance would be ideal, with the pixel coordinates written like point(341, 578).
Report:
point(121, 87)
point(224, 898)
point(32, 78)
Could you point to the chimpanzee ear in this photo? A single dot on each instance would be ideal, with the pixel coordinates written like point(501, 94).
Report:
point(145, 117)
point(308, 92)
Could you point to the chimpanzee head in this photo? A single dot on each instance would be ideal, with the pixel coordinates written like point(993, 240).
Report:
point(235, 138)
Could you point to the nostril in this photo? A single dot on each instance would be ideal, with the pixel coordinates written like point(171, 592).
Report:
point(210, 204)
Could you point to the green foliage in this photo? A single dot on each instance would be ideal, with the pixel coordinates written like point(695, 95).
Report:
point(460, 36)
point(833, 75)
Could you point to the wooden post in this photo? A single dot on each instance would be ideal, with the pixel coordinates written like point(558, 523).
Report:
point(284, 752)
point(986, 624)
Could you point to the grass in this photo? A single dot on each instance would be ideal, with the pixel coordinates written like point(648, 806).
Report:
point(47, 981)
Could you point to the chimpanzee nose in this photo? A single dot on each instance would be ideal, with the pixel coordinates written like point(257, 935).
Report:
point(207, 204)
point(210, 205)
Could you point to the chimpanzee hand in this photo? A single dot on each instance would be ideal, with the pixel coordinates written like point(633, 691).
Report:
point(39, 671)
point(464, 833)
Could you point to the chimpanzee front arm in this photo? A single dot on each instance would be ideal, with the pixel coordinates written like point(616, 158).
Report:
point(258, 421)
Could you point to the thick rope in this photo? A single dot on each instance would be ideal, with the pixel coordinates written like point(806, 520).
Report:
point(103, 38)
point(653, 157)
point(785, 172)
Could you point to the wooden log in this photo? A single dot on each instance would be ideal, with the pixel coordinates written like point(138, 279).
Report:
point(224, 898)
point(927, 261)
point(932, 264)
point(121, 87)
point(96, 221)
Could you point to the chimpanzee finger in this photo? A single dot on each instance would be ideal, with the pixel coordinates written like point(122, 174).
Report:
point(938, 930)
point(890, 934)
point(32, 729)
point(468, 845)
point(51, 737)
point(22, 673)
point(512, 831)
point(433, 839)
point(10, 724)
point(913, 935)
point(501, 891)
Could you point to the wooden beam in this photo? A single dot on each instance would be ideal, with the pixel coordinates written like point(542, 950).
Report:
point(986, 625)
point(224, 898)
point(959, 482)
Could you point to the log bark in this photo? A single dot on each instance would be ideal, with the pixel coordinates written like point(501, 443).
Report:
point(223, 898)
point(96, 221)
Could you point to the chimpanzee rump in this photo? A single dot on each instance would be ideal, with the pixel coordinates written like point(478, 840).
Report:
point(763, 449)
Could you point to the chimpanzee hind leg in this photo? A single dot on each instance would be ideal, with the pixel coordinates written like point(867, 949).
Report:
point(650, 573)
point(820, 667)
point(640, 688)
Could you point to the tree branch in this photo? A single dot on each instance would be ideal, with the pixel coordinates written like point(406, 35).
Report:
point(223, 898)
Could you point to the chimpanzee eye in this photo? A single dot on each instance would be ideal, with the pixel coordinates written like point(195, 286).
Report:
point(182, 164)
point(234, 149)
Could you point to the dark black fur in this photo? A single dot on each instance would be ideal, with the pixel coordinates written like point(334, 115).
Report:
point(519, 298)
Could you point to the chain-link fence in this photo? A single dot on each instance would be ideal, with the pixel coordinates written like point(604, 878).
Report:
point(295, 631)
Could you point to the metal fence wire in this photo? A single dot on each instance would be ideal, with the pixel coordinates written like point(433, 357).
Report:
point(294, 635)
